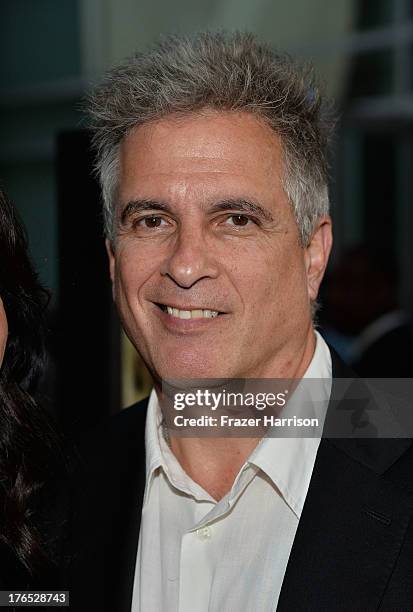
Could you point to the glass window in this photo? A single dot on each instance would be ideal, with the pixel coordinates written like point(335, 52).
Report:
point(374, 13)
point(372, 74)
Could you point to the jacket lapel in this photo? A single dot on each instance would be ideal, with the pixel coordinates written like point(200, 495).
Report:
point(352, 527)
point(127, 490)
point(107, 494)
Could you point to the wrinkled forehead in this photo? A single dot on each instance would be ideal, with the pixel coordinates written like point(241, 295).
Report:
point(202, 147)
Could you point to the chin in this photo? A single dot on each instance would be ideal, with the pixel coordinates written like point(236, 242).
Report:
point(189, 368)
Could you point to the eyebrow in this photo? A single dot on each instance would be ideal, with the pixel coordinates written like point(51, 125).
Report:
point(137, 206)
point(238, 204)
point(243, 205)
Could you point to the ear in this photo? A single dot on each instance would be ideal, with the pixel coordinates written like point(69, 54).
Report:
point(111, 257)
point(316, 255)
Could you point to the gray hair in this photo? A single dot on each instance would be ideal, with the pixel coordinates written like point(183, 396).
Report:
point(228, 72)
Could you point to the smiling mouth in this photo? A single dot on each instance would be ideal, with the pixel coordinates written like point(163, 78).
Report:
point(199, 313)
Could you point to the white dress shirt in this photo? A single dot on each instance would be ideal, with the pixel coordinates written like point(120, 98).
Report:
point(197, 554)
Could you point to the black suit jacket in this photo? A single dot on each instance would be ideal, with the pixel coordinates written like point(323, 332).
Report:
point(353, 550)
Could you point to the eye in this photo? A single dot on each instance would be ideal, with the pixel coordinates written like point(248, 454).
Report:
point(238, 220)
point(151, 221)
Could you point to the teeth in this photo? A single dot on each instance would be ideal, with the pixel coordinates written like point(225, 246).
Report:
point(210, 313)
point(196, 314)
point(191, 314)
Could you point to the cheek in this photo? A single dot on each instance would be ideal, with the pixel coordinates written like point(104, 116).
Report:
point(134, 271)
point(132, 268)
point(126, 287)
point(274, 279)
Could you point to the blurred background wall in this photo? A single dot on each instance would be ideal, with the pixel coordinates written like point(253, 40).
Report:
point(52, 50)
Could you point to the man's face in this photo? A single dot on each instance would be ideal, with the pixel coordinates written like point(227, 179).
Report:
point(209, 276)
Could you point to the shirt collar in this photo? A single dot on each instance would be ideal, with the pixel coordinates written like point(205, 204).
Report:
point(154, 458)
point(159, 455)
point(288, 462)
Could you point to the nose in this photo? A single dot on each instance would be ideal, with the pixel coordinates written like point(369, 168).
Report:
point(191, 258)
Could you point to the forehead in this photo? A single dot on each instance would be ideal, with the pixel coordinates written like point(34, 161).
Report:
point(221, 149)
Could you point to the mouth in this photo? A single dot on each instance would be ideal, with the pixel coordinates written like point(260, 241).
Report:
point(189, 313)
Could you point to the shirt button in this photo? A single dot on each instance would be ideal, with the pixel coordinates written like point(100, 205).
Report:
point(204, 533)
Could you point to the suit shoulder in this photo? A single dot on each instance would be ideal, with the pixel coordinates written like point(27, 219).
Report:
point(118, 432)
point(127, 424)
point(132, 415)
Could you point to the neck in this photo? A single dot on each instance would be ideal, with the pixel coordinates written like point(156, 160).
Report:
point(214, 462)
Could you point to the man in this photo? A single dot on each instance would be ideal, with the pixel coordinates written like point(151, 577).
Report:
point(212, 160)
